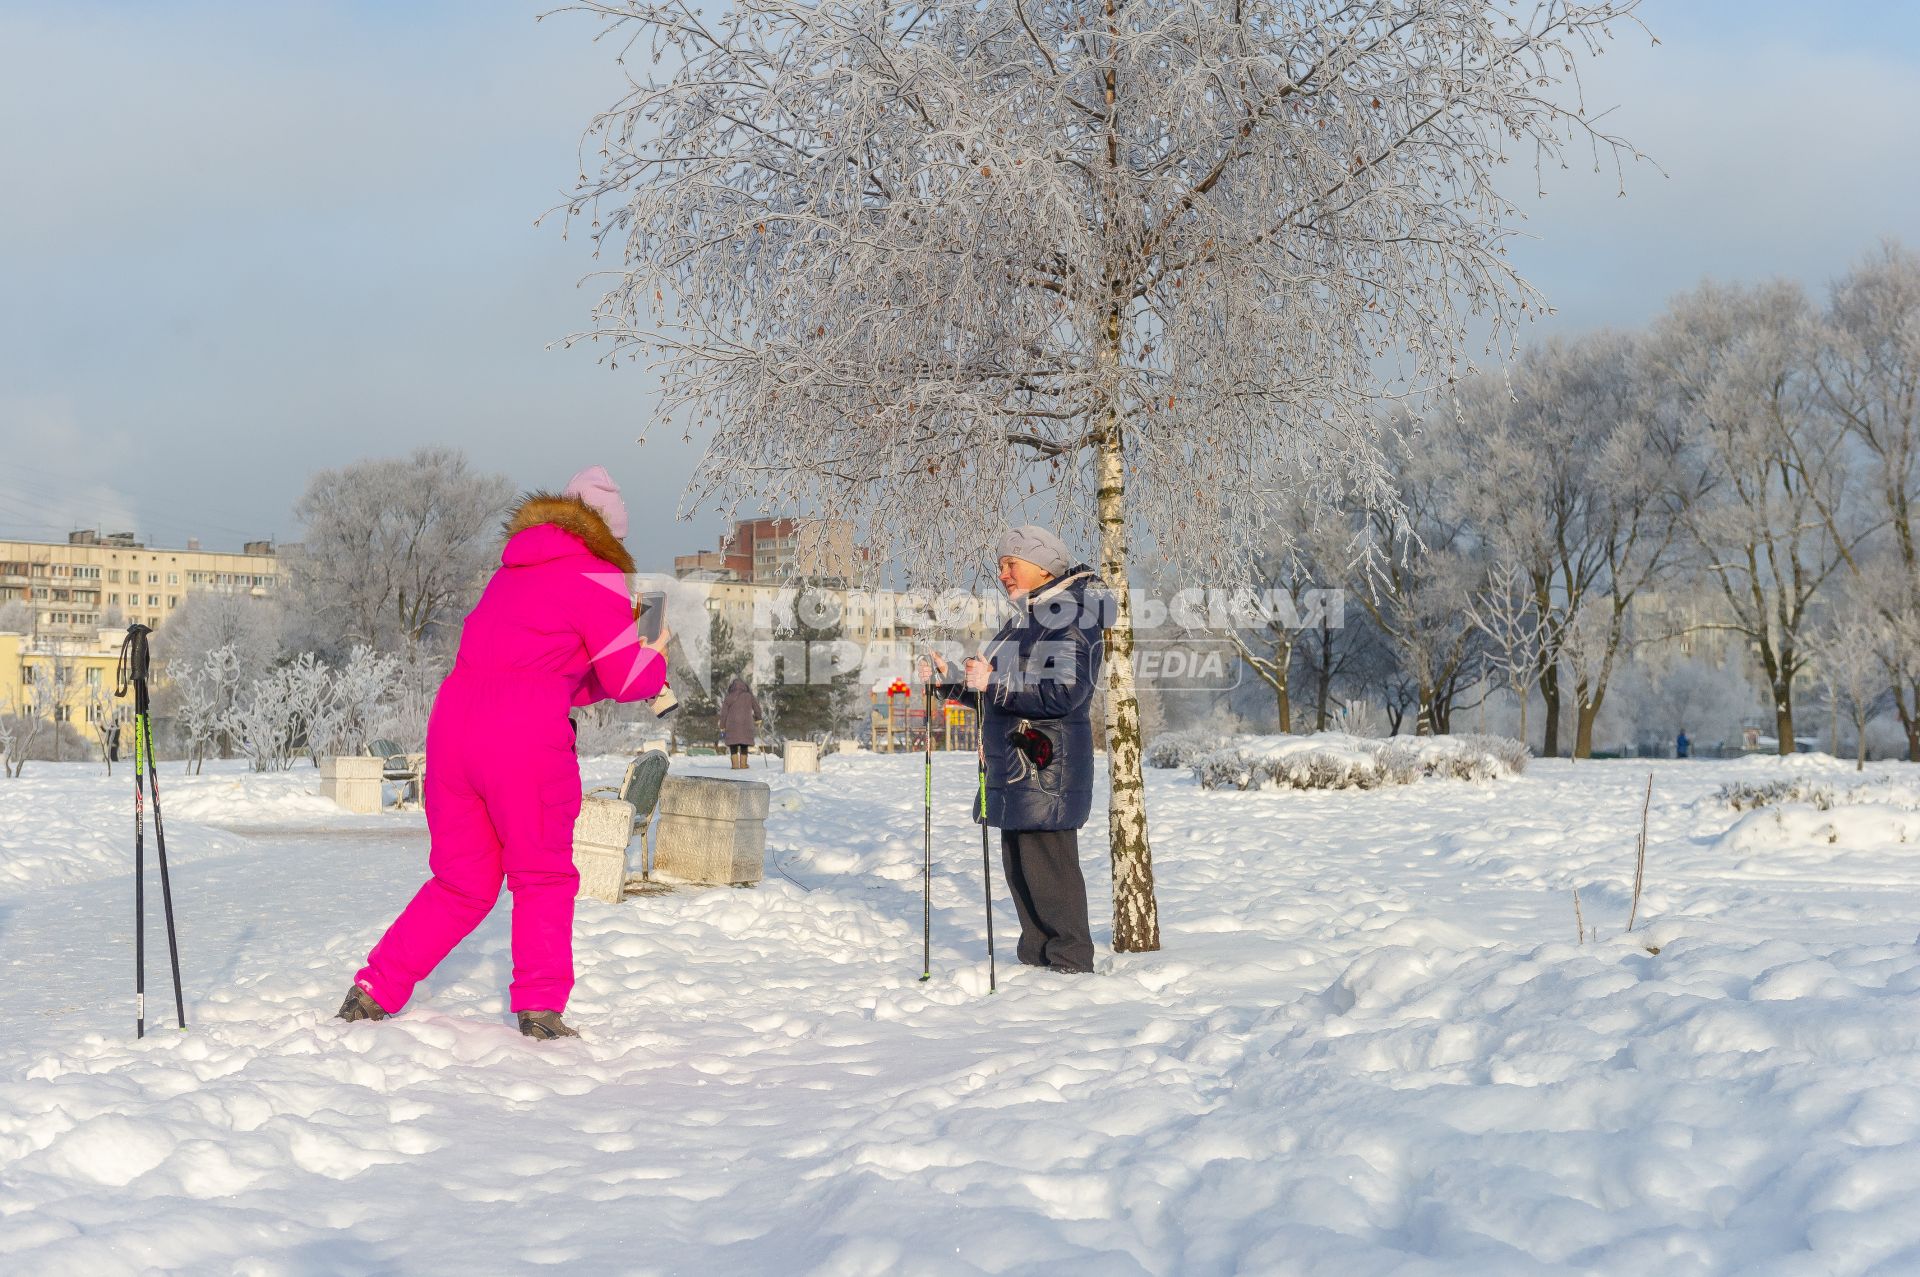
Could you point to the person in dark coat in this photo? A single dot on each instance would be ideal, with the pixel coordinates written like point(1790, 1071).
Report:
point(739, 715)
point(1035, 682)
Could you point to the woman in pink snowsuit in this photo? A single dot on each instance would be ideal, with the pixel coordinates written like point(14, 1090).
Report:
point(554, 629)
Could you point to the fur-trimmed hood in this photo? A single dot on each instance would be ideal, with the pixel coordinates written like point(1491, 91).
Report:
point(574, 517)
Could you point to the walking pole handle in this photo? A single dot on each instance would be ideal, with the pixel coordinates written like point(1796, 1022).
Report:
point(136, 663)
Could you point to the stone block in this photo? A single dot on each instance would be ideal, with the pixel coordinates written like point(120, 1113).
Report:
point(802, 756)
point(352, 781)
point(711, 830)
point(714, 798)
point(600, 837)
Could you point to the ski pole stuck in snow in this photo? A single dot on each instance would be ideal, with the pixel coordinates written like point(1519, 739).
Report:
point(926, 829)
point(986, 856)
point(134, 661)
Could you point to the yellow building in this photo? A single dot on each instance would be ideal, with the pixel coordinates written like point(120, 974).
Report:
point(59, 654)
point(66, 679)
point(87, 581)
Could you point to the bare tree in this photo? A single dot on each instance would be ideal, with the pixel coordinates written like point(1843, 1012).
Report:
point(1504, 611)
point(1849, 662)
point(1287, 614)
point(254, 628)
point(394, 551)
point(1427, 562)
point(35, 724)
point(21, 727)
point(1330, 658)
point(102, 714)
point(362, 690)
point(1570, 474)
point(203, 691)
point(53, 694)
point(275, 719)
point(1643, 475)
point(910, 264)
point(1773, 523)
point(1869, 374)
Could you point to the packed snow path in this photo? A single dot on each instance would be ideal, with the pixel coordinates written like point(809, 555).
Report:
point(1371, 1045)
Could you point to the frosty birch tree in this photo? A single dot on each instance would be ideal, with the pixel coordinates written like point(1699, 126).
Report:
point(911, 263)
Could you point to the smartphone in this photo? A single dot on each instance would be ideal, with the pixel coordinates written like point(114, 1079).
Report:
point(653, 613)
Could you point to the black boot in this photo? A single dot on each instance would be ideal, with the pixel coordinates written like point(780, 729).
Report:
point(544, 1026)
point(360, 1006)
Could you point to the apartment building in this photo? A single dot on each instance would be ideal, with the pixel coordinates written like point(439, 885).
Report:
point(89, 580)
point(777, 552)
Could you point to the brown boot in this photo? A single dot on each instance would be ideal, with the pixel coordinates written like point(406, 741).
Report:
point(360, 1006)
point(545, 1026)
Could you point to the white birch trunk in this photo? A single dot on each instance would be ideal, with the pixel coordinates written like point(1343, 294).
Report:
point(1136, 916)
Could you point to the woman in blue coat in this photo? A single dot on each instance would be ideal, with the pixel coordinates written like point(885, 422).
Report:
point(1035, 680)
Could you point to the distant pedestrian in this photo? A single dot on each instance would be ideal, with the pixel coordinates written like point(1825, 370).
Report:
point(1682, 746)
point(739, 717)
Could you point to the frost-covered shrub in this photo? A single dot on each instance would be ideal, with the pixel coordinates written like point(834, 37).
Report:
point(1182, 749)
point(1223, 769)
point(1399, 762)
point(1324, 769)
point(1481, 757)
point(1745, 795)
point(1336, 761)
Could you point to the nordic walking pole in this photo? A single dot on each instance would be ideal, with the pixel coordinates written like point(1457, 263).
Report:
point(986, 858)
point(139, 862)
point(134, 663)
point(926, 828)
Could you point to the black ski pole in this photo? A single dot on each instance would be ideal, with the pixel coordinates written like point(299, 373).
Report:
point(134, 662)
point(986, 857)
point(926, 829)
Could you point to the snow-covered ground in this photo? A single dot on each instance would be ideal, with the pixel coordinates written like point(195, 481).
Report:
point(1370, 1045)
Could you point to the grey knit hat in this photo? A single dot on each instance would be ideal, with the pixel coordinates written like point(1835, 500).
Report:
point(1037, 546)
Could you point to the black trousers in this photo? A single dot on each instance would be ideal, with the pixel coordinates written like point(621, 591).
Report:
point(1050, 894)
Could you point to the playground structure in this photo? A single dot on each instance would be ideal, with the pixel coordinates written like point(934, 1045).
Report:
point(897, 717)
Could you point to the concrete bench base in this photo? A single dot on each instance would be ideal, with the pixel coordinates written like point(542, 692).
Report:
point(802, 756)
point(712, 830)
point(353, 782)
point(600, 838)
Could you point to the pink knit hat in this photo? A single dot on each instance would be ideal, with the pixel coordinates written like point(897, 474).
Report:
point(596, 487)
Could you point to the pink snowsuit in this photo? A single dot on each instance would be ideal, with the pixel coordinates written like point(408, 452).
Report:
point(554, 629)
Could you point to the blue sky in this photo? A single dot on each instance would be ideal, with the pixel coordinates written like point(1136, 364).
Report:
point(244, 241)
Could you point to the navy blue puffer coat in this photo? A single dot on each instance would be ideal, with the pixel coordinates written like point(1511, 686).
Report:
point(1046, 666)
